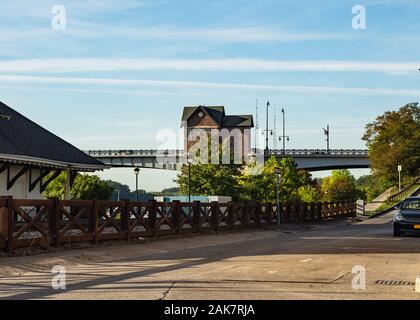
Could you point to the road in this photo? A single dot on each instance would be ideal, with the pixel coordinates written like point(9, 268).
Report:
point(293, 262)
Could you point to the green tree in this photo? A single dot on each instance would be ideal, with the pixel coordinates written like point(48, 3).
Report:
point(85, 187)
point(340, 186)
point(210, 179)
point(394, 139)
point(262, 187)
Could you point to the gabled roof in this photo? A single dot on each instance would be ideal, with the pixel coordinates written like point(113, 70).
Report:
point(217, 113)
point(23, 141)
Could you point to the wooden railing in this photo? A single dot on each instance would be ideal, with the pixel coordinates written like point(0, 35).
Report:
point(26, 223)
point(406, 191)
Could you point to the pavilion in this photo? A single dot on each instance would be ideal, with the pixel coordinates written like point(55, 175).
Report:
point(31, 157)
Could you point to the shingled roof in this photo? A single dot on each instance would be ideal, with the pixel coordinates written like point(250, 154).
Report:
point(217, 113)
point(23, 141)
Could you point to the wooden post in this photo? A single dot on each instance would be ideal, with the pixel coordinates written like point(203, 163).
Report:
point(153, 218)
point(176, 216)
point(215, 214)
point(10, 225)
point(93, 221)
point(269, 213)
point(258, 214)
point(196, 215)
point(5, 215)
point(245, 214)
point(125, 219)
point(230, 216)
point(54, 222)
point(297, 211)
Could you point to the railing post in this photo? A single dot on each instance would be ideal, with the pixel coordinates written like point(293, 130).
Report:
point(176, 218)
point(258, 214)
point(297, 211)
point(6, 223)
point(10, 226)
point(54, 222)
point(153, 218)
point(269, 213)
point(245, 214)
point(287, 212)
point(215, 214)
point(93, 221)
point(305, 211)
point(230, 209)
point(125, 219)
point(196, 215)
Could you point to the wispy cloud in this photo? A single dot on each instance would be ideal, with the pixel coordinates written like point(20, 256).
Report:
point(232, 65)
point(136, 84)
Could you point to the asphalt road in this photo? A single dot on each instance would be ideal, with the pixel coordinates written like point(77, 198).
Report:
point(292, 262)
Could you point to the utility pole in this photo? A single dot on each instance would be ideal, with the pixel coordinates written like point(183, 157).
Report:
point(327, 133)
point(284, 130)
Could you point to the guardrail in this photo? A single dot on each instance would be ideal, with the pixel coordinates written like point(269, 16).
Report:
point(27, 223)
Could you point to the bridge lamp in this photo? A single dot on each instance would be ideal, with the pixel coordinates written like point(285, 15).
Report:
point(136, 172)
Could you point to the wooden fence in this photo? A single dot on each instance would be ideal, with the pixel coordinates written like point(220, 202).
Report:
point(26, 223)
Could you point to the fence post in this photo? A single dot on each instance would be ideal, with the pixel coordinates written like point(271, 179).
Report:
point(215, 214)
point(125, 219)
point(196, 215)
point(6, 223)
point(269, 213)
point(153, 218)
point(297, 211)
point(230, 214)
point(245, 214)
point(258, 214)
point(304, 211)
point(176, 216)
point(53, 221)
point(93, 221)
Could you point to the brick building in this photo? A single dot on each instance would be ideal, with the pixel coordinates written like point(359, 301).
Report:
point(213, 121)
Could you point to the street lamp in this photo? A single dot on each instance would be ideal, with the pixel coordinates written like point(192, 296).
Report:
point(189, 161)
point(136, 171)
point(266, 126)
point(284, 131)
point(327, 133)
point(277, 171)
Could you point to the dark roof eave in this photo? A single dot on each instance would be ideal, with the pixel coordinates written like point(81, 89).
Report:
point(19, 159)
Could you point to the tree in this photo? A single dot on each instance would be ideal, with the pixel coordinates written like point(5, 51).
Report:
point(262, 187)
point(210, 179)
point(85, 187)
point(339, 186)
point(369, 187)
point(394, 139)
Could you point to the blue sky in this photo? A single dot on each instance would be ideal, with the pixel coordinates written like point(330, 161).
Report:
point(122, 70)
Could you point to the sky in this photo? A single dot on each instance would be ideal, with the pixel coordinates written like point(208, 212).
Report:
point(117, 73)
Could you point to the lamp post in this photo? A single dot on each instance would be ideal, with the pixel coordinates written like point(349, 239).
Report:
point(266, 127)
point(278, 177)
point(284, 130)
point(136, 172)
point(327, 133)
point(189, 161)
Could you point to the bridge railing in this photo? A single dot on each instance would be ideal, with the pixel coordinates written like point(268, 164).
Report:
point(320, 152)
point(180, 153)
point(27, 223)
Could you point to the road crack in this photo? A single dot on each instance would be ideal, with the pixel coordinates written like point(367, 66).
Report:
point(166, 292)
point(337, 279)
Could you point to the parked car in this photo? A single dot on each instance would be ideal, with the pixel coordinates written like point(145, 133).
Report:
point(407, 217)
